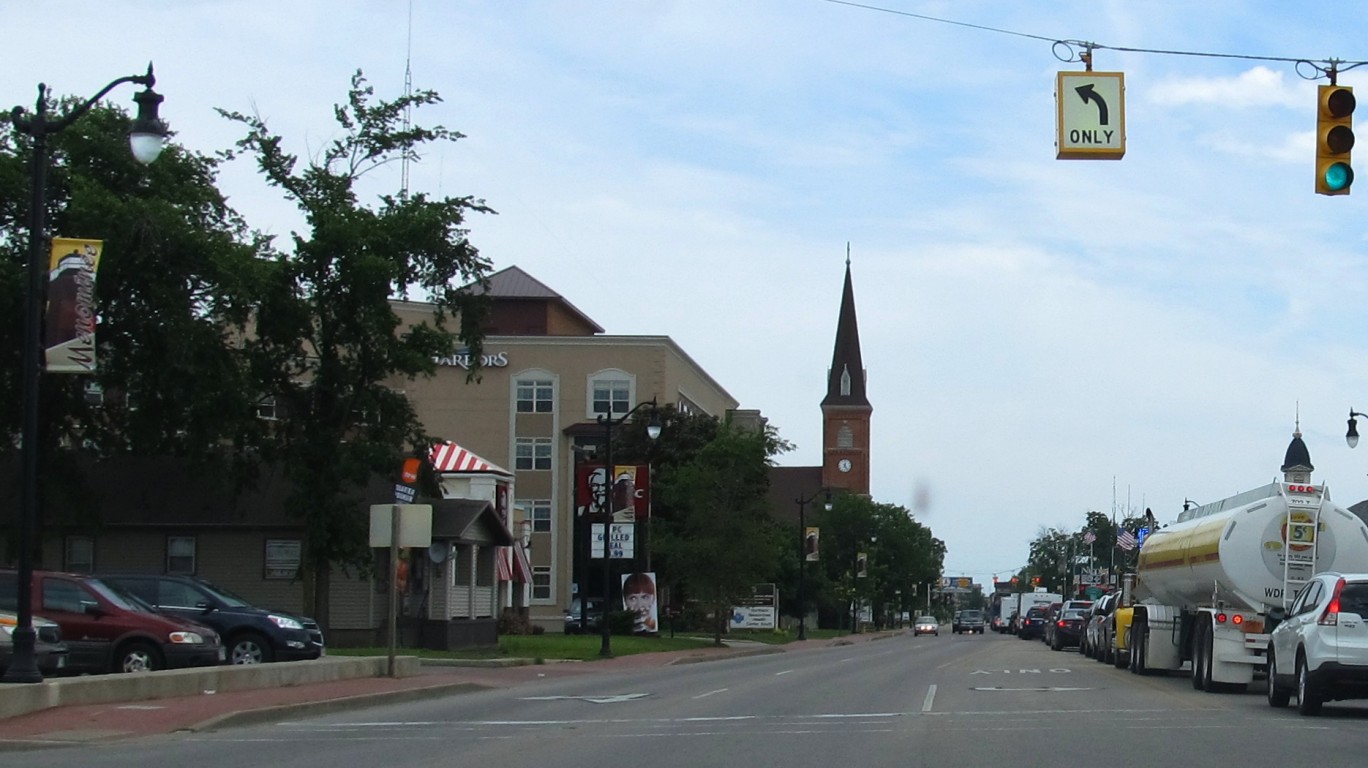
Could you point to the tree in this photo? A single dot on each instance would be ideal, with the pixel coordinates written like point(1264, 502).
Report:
point(172, 295)
point(325, 344)
point(719, 539)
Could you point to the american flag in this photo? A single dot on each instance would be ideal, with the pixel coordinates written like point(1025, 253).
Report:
point(1089, 537)
point(1125, 539)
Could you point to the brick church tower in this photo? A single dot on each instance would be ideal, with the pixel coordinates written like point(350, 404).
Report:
point(845, 409)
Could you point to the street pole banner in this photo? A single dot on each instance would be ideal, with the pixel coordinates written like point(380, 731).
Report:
point(627, 497)
point(811, 544)
point(639, 597)
point(69, 330)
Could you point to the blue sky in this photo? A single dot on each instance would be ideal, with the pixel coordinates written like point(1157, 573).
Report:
point(1037, 332)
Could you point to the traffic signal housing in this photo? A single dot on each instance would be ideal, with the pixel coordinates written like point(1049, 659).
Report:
point(1334, 139)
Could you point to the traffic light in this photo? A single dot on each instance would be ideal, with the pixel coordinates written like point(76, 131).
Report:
point(1334, 139)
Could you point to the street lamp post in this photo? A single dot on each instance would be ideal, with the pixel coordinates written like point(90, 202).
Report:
point(652, 431)
point(146, 139)
point(802, 556)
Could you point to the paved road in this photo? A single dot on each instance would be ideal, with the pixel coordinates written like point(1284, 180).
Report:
point(933, 701)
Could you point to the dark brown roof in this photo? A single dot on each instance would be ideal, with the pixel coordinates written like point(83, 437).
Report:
point(513, 283)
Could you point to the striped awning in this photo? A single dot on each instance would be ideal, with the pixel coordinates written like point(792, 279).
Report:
point(513, 564)
point(450, 457)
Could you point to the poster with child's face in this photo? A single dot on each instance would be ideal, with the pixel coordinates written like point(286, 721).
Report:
point(639, 597)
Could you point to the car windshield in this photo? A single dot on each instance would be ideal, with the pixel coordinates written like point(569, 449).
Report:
point(120, 596)
point(1036, 613)
point(926, 619)
point(1072, 614)
point(226, 597)
point(972, 615)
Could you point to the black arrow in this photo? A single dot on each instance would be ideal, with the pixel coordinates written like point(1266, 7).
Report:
point(1087, 93)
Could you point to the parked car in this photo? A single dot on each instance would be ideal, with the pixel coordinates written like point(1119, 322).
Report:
point(251, 635)
point(107, 629)
point(49, 652)
point(575, 624)
point(1319, 649)
point(1068, 629)
point(926, 625)
point(971, 621)
point(1096, 641)
point(1033, 623)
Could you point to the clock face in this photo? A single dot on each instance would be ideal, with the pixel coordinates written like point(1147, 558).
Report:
point(843, 465)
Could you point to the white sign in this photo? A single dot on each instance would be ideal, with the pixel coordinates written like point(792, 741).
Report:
point(415, 524)
point(623, 541)
point(1090, 108)
point(753, 617)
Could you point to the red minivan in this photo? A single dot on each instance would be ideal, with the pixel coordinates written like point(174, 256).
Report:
point(109, 630)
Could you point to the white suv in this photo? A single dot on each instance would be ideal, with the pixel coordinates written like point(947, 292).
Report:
point(1320, 649)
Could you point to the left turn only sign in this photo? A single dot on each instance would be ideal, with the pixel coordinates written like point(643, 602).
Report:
point(1091, 115)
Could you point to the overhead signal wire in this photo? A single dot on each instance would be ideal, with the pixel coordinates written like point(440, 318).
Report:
point(1323, 67)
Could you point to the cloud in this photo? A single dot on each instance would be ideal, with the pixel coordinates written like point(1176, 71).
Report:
point(1257, 87)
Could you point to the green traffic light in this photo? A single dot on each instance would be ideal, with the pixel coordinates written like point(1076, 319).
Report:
point(1338, 176)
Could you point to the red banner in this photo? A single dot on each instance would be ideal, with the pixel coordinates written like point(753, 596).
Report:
point(629, 498)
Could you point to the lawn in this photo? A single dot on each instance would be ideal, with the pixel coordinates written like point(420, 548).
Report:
point(586, 647)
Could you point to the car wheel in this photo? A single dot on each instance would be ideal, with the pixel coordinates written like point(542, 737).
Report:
point(137, 656)
point(1277, 697)
point(1308, 698)
point(249, 649)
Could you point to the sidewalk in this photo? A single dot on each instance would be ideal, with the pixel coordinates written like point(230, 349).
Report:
point(64, 726)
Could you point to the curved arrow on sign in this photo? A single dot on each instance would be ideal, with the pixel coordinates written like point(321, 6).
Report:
point(1088, 93)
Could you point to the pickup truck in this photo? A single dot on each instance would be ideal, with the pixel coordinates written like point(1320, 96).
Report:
point(970, 621)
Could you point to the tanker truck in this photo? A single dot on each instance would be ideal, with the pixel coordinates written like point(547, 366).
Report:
point(1204, 585)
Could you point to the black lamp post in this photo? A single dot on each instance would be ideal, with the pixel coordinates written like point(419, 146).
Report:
point(803, 554)
point(146, 139)
point(653, 432)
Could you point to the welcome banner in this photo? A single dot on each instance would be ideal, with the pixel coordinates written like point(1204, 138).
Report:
point(69, 330)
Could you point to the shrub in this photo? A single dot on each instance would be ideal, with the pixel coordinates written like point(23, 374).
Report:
point(513, 623)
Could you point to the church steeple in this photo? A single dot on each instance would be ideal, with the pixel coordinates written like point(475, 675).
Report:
point(846, 377)
point(845, 409)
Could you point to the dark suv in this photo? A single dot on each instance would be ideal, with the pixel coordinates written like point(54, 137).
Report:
point(970, 621)
point(252, 635)
point(107, 629)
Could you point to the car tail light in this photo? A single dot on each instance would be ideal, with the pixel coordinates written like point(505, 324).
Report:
point(1220, 618)
point(1331, 616)
point(1060, 623)
point(1237, 619)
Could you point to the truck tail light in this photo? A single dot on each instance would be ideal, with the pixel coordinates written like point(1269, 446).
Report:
point(1331, 616)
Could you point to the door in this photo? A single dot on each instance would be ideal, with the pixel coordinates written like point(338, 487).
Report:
point(88, 635)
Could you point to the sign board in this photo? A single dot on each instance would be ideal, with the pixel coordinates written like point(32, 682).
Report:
point(403, 494)
point(623, 540)
point(1090, 110)
point(415, 524)
point(283, 558)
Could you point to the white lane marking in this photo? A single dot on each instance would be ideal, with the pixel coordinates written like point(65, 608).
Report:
point(1032, 689)
point(785, 672)
point(613, 699)
point(709, 693)
point(930, 698)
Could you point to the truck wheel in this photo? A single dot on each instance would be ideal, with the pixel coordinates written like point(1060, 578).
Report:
point(1139, 638)
point(1120, 660)
point(1308, 698)
point(1198, 659)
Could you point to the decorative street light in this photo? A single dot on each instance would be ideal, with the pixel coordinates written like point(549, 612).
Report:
point(146, 139)
point(803, 555)
point(1351, 437)
point(606, 507)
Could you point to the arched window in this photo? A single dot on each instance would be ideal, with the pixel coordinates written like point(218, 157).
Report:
point(845, 381)
point(844, 437)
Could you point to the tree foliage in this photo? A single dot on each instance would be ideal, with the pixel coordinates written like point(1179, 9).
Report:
point(718, 538)
point(325, 341)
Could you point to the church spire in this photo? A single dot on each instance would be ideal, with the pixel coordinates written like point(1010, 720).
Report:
point(846, 377)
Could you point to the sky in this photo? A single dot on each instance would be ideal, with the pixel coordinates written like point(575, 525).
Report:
point(1042, 337)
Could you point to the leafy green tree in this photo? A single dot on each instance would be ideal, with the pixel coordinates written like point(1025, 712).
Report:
point(719, 539)
point(173, 293)
point(325, 342)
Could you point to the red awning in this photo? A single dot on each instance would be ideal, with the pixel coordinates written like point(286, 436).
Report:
point(501, 559)
point(522, 569)
point(450, 457)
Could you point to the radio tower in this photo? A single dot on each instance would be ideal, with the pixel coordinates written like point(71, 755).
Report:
point(408, 91)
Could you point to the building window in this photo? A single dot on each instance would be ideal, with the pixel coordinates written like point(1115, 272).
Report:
point(180, 554)
point(267, 409)
point(844, 437)
point(541, 516)
point(80, 554)
point(532, 453)
point(536, 396)
point(541, 582)
point(610, 396)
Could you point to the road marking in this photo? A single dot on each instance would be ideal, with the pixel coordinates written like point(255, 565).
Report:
point(613, 699)
point(785, 672)
point(930, 698)
point(709, 693)
point(1031, 689)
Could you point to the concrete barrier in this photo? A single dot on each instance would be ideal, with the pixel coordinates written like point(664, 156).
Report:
point(19, 698)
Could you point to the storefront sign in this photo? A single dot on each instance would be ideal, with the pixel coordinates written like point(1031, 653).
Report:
point(461, 359)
